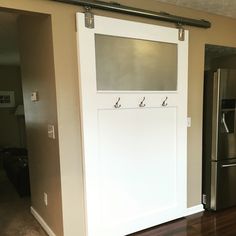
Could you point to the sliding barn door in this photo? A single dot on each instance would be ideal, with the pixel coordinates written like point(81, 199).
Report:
point(133, 81)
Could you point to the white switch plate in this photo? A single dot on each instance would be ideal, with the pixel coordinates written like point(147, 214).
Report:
point(34, 96)
point(51, 131)
point(189, 122)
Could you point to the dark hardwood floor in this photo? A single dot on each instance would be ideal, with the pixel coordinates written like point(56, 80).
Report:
point(222, 223)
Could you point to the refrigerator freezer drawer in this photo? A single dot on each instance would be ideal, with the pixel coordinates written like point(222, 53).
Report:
point(223, 185)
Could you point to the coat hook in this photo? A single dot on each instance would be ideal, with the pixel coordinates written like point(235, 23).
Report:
point(164, 103)
point(142, 104)
point(117, 105)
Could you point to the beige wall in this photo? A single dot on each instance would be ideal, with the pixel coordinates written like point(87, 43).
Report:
point(37, 63)
point(222, 32)
point(10, 124)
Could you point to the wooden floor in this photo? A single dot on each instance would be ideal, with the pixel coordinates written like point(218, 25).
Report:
point(222, 223)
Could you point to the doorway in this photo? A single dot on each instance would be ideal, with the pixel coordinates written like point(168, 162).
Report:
point(15, 199)
point(29, 49)
point(219, 136)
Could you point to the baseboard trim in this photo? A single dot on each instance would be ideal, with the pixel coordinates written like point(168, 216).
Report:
point(42, 222)
point(194, 210)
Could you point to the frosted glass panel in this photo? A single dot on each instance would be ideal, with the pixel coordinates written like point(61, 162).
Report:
point(133, 64)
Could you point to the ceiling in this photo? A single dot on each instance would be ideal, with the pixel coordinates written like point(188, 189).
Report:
point(220, 7)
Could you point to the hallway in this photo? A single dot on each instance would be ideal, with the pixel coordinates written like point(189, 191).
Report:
point(15, 216)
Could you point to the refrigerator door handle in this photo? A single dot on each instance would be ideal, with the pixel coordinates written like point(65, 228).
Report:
point(215, 115)
point(224, 123)
point(228, 165)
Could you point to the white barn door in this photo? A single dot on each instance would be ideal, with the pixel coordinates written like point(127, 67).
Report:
point(133, 81)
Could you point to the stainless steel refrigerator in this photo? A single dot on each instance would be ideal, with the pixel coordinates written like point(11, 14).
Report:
point(219, 139)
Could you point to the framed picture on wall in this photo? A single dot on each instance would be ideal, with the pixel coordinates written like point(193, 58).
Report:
point(7, 99)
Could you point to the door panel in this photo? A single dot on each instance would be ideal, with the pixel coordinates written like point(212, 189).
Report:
point(223, 188)
point(134, 124)
point(132, 167)
point(226, 133)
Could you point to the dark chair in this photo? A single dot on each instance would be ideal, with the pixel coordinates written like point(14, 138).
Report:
point(15, 163)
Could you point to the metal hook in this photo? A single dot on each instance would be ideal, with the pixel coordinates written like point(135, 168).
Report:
point(164, 103)
point(117, 105)
point(142, 104)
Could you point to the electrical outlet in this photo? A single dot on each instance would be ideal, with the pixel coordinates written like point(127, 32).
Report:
point(51, 132)
point(45, 199)
point(204, 199)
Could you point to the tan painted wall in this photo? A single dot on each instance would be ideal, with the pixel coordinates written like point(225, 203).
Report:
point(63, 28)
point(10, 125)
point(37, 63)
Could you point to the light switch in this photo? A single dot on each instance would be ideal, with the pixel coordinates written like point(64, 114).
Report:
point(189, 122)
point(51, 131)
point(34, 96)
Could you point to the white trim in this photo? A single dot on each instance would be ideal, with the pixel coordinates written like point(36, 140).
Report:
point(194, 210)
point(42, 222)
